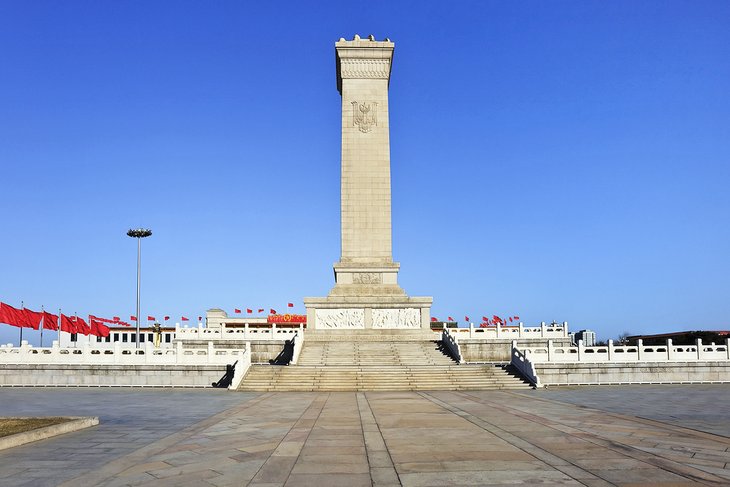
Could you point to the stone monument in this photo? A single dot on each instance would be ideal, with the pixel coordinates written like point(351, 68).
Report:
point(366, 292)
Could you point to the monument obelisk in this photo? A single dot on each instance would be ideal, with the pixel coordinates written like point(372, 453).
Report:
point(366, 292)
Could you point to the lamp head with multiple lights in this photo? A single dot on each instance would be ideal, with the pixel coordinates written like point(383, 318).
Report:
point(139, 232)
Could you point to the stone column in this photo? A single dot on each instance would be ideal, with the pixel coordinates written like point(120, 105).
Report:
point(366, 264)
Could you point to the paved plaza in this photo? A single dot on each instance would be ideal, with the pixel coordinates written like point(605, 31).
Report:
point(596, 436)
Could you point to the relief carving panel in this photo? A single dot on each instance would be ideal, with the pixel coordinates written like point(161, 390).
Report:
point(340, 318)
point(367, 278)
point(397, 318)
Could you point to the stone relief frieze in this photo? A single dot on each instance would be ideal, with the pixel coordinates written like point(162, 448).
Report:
point(365, 68)
point(367, 278)
point(340, 318)
point(397, 318)
point(365, 115)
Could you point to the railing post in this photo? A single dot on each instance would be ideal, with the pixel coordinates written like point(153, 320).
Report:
point(565, 329)
point(301, 329)
point(551, 353)
point(670, 349)
point(471, 330)
point(610, 350)
point(699, 349)
point(542, 329)
point(245, 331)
point(200, 331)
point(521, 329)
point(581, 348)
point(273, 331)
point(727, 347)
point(211, 351)
point(639, 347)
point(499, 330)
point(178, 352)
point(117, 352)
point(148, 348)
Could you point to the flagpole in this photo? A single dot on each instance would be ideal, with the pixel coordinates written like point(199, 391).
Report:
point(42, 310)
point(22, 306)
point(59, 327)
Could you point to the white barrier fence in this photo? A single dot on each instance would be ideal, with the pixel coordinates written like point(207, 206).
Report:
point(451, 344)
point(551, 330)
point(628, 353)
point(118, 355)
point(272, 332)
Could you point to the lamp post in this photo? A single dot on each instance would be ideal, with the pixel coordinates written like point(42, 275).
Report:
point(139, 234)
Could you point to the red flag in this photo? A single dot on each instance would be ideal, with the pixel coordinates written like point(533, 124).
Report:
point(510, 319)
point(150, 318)
point(483, 325)
point(273, 311)
point(485, 319)
point(261, 310)
point(185, 319)
point(200, 318)
point(67, 324)
point(13, 316)
point(433, 318)
point(497, 319)
point(167, 318)
point(466, 318)
point(50, 321)
point(291, 305)
point(237, 310)
point(82, 326)
point(450, 318)
point(33, 319)
point(249, 311)
point(98, 328)
point(116, 318)
point(133, 318)
point(517, 317)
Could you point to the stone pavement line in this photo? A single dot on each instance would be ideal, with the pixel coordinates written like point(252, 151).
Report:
point(666, 445)
point(673, 471)
point(334, 450)
point(110, 469)
point(382, 470)
point(665, 448)
point(579, 474)
point(279, 465)
point(431, 446)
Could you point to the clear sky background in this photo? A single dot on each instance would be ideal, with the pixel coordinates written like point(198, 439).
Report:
point(552, 160)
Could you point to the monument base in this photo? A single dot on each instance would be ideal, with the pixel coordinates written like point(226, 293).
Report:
point(363, 313)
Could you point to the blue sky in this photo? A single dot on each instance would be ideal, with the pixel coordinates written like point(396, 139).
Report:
point(552, 160)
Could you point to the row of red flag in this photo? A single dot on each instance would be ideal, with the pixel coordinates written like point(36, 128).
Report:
point(27, 318)
point(486, 321)
point(260, 310)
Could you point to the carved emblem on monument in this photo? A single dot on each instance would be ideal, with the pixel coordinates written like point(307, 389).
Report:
point(365, 116)
point(367, 278)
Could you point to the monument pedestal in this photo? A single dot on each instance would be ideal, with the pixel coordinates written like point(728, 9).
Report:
point(371, 312)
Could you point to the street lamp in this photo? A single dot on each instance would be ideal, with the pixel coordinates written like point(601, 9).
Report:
point(139, 234)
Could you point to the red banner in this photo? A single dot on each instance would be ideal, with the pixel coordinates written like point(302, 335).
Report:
point(287, 318)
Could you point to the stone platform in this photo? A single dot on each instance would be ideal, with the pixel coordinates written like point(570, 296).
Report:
point(594, 436)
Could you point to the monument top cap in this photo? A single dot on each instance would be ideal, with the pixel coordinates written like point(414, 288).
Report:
point(367, 42)
point(363, 59)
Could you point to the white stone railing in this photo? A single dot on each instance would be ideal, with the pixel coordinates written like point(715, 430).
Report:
point(523, 364)
point(553, 330)
point(118, 355)
point(629, 353)
point(451, 344)
point(298, 341)
point(246, 333)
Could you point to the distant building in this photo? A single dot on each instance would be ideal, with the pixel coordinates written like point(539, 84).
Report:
point(588, 337)
point(682, 337)
point(126, 336)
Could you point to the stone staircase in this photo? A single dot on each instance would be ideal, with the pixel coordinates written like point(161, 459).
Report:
point(355, 365)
